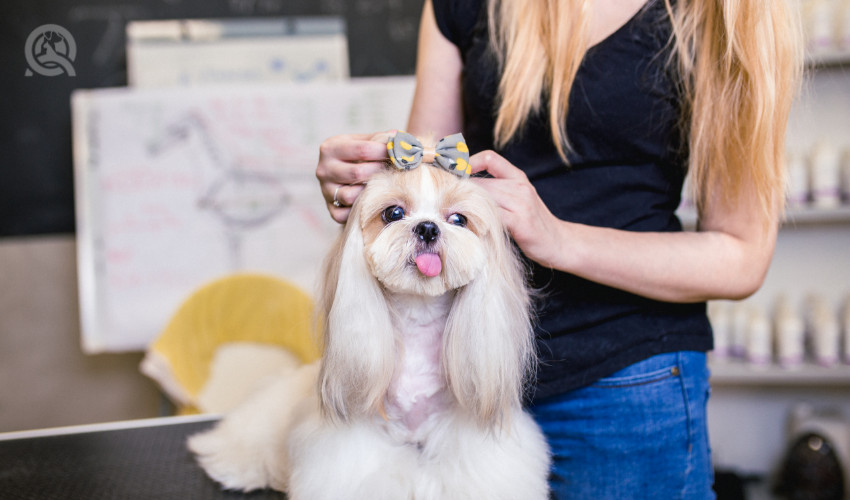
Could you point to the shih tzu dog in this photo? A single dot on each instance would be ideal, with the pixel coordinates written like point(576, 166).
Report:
point(427, 346)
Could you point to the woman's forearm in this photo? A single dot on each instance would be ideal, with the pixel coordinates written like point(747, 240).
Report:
point(727, 257)
point(673, 267)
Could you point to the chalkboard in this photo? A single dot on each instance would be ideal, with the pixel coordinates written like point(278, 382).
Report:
point(36, 173)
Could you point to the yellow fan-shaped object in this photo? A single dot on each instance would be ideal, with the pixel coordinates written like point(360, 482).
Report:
point(268, 313)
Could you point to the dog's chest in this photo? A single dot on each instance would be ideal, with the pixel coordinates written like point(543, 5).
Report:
point(418, 389)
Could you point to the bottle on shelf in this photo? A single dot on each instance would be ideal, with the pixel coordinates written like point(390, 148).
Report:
point(798, 180)
point(790, 335)
point(844, 174)
point(823, 330)
point(824, 175)
point(845, 328)
point(819, 26)
point(759, 338)
point(721, 322)
point(844, 26)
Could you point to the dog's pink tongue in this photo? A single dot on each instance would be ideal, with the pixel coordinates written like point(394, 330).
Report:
point(429, 264)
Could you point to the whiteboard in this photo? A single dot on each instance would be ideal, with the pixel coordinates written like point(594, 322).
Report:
point(177, 187)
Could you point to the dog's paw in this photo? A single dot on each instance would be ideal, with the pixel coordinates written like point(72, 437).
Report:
point(231, 463)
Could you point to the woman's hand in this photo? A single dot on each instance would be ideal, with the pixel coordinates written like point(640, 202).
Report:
point(346, 162)
point(531, 224)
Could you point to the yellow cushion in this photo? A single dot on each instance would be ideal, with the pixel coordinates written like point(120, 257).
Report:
point(239, 308)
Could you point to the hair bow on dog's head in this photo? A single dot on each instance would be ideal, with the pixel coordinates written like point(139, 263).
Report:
point(451, 153)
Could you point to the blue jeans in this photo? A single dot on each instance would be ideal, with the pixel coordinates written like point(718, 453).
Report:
point(640, 433)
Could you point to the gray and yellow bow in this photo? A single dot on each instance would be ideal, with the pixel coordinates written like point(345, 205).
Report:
point(450, 154)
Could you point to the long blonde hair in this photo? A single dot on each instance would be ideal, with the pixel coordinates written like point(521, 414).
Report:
point(740, 64)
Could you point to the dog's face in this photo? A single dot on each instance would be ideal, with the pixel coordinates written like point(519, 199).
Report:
point(425, 231)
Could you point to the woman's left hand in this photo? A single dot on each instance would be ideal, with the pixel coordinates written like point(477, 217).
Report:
point(531, 224)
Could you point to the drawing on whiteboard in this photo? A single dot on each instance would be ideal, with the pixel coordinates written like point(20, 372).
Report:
point(242, 201)
point(241, 198)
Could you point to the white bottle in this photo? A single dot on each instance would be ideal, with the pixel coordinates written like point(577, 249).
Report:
point(798, 180)
point(718, 315)
point(826, 338)
point(790, 333)
point(759, 339)
point(845, 328)
point(843, 35)
point(844, 174)
point(824, 332)
point(739, 316)
point(819, 26)
point(823, 176)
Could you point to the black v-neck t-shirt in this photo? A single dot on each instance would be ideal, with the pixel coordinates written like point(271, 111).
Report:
point(626, 168)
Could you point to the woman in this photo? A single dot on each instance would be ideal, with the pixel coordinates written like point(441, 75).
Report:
point(587, 114)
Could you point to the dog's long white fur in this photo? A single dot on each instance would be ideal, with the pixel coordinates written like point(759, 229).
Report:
point(418, 395)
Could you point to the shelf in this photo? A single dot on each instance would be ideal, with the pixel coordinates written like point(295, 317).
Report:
point(735, 372)
point(813, 216)
point(794, 217)
point(828, 58)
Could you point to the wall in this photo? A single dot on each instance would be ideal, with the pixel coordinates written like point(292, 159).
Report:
point(45, 380)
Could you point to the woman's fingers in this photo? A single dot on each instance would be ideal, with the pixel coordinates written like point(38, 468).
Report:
point(339, 214)
point(342, 195)
point(346, 162)
point(495, 165)
point(349, 161)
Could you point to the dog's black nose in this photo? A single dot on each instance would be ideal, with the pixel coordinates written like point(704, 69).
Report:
point(427, 231)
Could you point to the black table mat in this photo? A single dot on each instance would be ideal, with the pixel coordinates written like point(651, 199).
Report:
point(140, 463)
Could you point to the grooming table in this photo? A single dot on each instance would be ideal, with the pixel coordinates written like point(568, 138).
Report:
point(142, 459)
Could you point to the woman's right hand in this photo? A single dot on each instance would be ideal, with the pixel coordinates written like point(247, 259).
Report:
point(346, 162)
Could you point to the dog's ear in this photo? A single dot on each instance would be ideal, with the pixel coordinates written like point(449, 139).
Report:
point(488, 346)
point(358, 359)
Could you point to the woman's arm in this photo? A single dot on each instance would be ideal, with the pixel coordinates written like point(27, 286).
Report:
point(727, 257)
point(436, 109)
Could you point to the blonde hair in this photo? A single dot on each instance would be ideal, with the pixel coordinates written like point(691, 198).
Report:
point(740, 63)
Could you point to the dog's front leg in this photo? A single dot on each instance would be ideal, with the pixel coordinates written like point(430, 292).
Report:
point(247, 449)
point(351, 461)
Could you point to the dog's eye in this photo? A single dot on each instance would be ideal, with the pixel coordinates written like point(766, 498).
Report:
point(457, 220)
point(392, 214)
